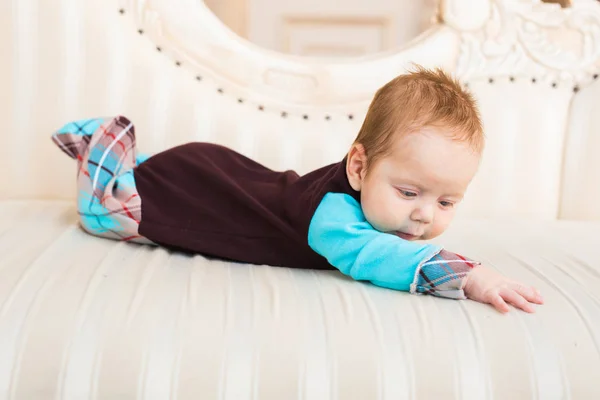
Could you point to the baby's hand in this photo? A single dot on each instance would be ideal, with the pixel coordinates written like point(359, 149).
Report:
point(487, 286)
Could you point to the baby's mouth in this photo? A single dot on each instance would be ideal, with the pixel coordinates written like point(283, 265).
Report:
point(406, 236)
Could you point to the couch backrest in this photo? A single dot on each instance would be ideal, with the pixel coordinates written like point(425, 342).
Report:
point(186, 77)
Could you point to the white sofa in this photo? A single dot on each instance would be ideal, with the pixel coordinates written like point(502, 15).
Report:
point(83, 318)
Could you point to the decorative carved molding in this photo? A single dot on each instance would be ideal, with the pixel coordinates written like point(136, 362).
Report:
point(532, 38)
point(528, 38)
point(465, 15)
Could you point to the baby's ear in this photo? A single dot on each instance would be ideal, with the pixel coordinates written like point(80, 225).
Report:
point(356, 166)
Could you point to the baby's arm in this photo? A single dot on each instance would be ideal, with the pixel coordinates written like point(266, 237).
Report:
point(481, 284)
point(340, 232)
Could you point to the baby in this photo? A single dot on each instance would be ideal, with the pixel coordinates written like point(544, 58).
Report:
point(400, 182)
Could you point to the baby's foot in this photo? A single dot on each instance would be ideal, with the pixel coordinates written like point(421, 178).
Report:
point(73, 138)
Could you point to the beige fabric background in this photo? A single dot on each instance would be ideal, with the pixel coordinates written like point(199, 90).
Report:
point(70, 59)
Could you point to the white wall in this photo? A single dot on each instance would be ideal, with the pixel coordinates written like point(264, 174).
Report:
point(327, 28)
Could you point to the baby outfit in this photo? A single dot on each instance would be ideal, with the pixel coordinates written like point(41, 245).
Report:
point(207, 199)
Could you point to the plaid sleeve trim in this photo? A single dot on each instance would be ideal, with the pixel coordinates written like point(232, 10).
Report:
point(443, 275)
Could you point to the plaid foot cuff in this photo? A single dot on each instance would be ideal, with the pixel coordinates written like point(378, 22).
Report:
point(444, 275)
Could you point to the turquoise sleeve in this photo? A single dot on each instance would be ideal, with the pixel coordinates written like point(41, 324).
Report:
point(340, 232)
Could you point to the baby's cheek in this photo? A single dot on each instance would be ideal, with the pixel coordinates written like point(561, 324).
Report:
point(374, 218)
point(393, 218)
point(439, 226)
point(382, 208)
point(435, 231)
point(376, 214)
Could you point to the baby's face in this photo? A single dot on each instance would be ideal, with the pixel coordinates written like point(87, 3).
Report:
point(414, 191)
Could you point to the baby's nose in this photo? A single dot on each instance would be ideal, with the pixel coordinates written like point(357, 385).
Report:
point(422, 214)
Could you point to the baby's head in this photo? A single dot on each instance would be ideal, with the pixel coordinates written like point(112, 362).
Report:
point(416, 153)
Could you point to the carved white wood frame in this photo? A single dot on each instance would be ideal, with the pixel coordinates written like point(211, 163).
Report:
point(476, 39)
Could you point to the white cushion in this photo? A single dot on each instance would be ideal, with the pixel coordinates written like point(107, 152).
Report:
point(83, 317)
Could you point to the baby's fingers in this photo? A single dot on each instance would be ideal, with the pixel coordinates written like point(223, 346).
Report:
point(499, 304)
point(517, 300)
point(529, 293)
point(539, 298)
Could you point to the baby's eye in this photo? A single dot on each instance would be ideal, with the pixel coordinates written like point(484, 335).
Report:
point(446, 204)
point(407, 193)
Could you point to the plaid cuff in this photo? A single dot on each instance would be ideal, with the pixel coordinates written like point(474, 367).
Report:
point(443, 275)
